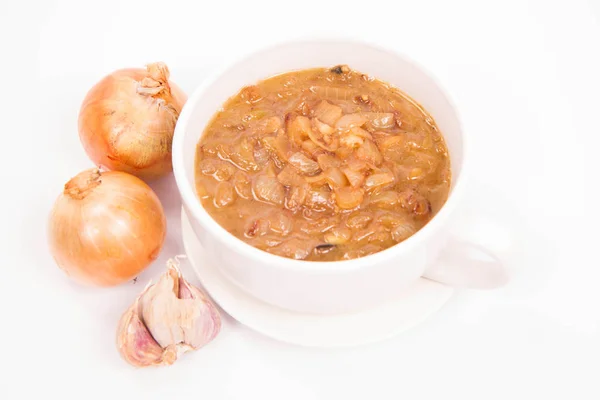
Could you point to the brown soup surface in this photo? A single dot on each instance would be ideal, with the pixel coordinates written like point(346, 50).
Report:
point(322, 165)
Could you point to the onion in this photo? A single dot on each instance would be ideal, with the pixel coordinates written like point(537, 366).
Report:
point(295, 248)
point(360, 132)
point(326, 161)
point(298, 128)
point(359, 220)
point(321, 225)
point(338, 236)
point(105, 228)
point(268, 189)
point(270, 125)
point(335, 178)
point(279, 148)
point(242, 155)
point(350, 121)
point(415, 203)
point(224, 195)
point(392, 147)
point(328, 113)
point(322, 127)
point(362, 252)
point(242, 185)
point(356, 178)
point(318, 199)
point(379, 179)
point(296, 197)
point(403, 231)
point(328, 143)
point(381, 120)
point(289, 177)
point(385, 199)
point(281, 222)
point(126, 121)
point(369, 152)
point(334, 93)
point(304, 164)
point(348, 197)
point(311, 148)
point(351, 141)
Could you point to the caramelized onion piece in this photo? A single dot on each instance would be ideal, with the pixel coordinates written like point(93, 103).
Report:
point(257, 227)
point(298, 128)
point(281, 222)
point(343, 152)
point(289, 177)
point(296, 197)
point(326, 142)
point(350, 121)
point(261, 156)
point(348, 197)
point(392, 147)
point(381, 120)
point(338, 235)
point(391, 220)
point(268, 189)
point(334, 93)
point(351, 141)
point(320, 179)
point(356, 178)
point(363, 251)
point(278, 147)
point(304, 164)
point(326, 161)
point(295, 248)
point(359, 220)
point(270, 125)
point(335, 178)
point(387, 199)
point(356, 164)
point(312, 149)
point(322, 127)
point(360, 133)
point(415, 203)
point(328, 113)
point(218, 169)
point(379, 179)
point(224, 195)
point(318, 199)
point(242, 185)
point(321, 225)
point(242, 155)
point(369, 152)
point(366, 233)
point(403, 231)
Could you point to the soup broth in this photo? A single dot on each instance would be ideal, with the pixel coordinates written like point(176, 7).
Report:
point(322, 164)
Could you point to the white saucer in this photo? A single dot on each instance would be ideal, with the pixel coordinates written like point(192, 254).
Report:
point(409, 309)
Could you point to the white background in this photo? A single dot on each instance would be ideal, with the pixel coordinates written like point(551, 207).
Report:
point(525, 76)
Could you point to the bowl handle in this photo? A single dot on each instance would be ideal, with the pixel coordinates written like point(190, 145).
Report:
point(466, 264)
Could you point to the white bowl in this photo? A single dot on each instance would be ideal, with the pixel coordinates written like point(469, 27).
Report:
point(318, 287)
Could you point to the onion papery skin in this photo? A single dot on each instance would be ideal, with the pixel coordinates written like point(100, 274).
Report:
point(127, 121)
point(106, 227)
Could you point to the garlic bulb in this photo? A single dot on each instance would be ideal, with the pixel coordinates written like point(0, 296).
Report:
point(169, 318)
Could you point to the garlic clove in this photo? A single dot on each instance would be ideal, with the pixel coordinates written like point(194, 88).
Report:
point(176, 312)
point(136, 344)
point(206, 326)
point(160, 311)
point(169, 318)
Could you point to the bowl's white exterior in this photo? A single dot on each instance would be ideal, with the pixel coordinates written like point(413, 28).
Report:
point(308, 286)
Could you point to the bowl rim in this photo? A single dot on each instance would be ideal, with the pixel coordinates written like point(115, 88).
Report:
point(193, 204)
